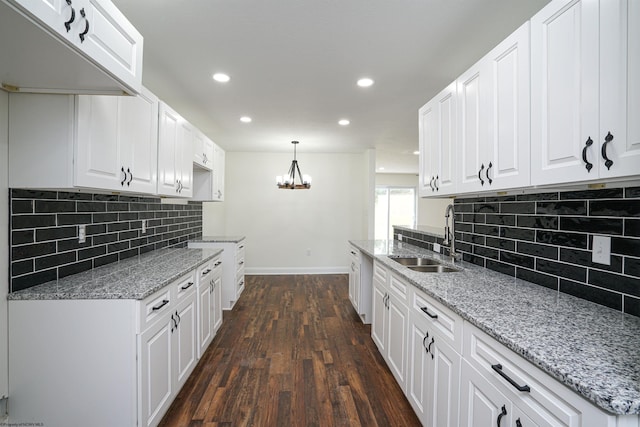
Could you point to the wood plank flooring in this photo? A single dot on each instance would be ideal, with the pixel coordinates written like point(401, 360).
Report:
point(292, 352)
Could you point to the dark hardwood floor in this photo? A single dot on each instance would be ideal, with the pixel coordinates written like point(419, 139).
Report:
point(292, 352)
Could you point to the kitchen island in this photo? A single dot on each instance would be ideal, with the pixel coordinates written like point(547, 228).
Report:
point(589, 348)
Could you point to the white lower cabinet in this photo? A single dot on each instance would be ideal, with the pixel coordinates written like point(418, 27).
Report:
point(434, 365)
point(116, 362)
point(390, 321)
point(360, 283)
point(232, 257)
point(209, 303)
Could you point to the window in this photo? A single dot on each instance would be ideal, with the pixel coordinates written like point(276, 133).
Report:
point(393, 206)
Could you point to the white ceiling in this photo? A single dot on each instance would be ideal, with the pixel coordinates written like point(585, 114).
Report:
point(294, 65)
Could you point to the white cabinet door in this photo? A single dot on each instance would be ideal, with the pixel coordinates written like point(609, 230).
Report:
point(420, 378)
point(379, 315)
point(481, 404)
point(494, 117)
point(397, 336)
point(443, 403)
point(138, 139)
point(202, 150)
point(216, 303)
point(218, 173)
point(184, 159)
point(437, 136)
point(155, 366)
point(185, 341)
point(205, 322)
point(52, 13)
point(98, 154)
point(109, 39)
point(619, 88)
point(169, 122)
point(564, 92)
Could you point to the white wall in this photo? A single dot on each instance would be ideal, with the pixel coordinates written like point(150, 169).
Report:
point(214, 218)
point(4, 243)
point(430, 211)
point(282, 225)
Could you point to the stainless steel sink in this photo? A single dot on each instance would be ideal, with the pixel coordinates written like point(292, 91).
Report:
point(408, 261)
point(433, 268)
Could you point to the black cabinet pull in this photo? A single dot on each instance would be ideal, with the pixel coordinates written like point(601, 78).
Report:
point(431, 183)
point(480, 174)
point(518, 423)
point(498, 368)
point(241, 262)
point(426, 310)
point(587, 144)
point(187, 286)
point(207, 271)
point(159, 306)
point(242, 246)
point(130, 177)
point(72, 18)
point(175, 324)
point(86, 28)
point(217, 263)
point(503, 412)
point(179, 318)
point(488, 168)
point(125, 176)
point(429, 348)
point(607, 139)
point(435, 183)
point(424, 344)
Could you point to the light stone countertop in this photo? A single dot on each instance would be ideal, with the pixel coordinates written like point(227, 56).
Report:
point(133, 278)
point(590, 348)
point(218, 239)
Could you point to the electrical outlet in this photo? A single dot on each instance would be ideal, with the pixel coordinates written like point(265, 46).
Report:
point(400, 237)
point(144, 226)
point(82, 233)
point(601, 251)
point(436, 247)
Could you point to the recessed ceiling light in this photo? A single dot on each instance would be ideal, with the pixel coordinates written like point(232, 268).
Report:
point(343, 122)
point(221, 77)
point(365, 82)
point(380, 168)
point(416, 153)
point(245, 119)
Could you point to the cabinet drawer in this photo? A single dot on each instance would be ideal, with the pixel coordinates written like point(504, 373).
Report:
point(203, 272)
point(184, 286)
point(399, 288)
point(380, 272)
point(154, 307)
point(354, 253)
point(546, 401)
point(444, 322)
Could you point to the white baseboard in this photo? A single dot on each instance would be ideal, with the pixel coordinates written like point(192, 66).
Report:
point(295, 270)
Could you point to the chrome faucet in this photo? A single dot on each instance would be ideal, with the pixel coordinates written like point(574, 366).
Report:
point(450, 232)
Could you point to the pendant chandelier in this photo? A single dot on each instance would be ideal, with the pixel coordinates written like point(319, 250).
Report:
point(288, 181)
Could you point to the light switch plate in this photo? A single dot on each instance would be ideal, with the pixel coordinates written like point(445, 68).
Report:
point(601, 252)
point(400, 237)
point(436, 247)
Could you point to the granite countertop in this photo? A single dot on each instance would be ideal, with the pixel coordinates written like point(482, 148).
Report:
point(219, 239)
point(424, 229)
point(592, 349)
point(133, 278)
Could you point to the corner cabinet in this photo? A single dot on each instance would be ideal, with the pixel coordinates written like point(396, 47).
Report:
point(84, 141)
point(175, 154)
point(585, 63)
point(437, 133)
point(89, 46)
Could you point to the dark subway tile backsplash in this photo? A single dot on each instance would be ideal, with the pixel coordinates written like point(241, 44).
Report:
point(546, 238)
point(44, 231)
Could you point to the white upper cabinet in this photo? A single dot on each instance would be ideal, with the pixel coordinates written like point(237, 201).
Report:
point(202, 151)
point(117, 143)
point(493, 118)
point(585, 55)
point(175, 154)
point(84, 141)
point(437, 133)
point(219, 157)
point(79, 46)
